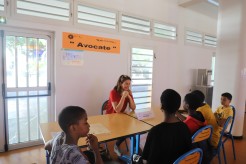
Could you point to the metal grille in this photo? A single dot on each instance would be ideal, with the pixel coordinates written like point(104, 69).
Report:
point(135, 25)
point(141, 74)
point(194, 37)
point(165, 31)
point(53, 9)
point(210, 41)
point(96, 17)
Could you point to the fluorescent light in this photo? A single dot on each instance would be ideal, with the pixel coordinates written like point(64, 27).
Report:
point(3, 20)
point(214, 2)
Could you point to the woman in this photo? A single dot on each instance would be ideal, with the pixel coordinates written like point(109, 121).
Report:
point(119, 98)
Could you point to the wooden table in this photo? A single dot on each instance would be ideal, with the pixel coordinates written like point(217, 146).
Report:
point(119, 125)
point(157, 119)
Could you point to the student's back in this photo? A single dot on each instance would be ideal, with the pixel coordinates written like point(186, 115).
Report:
point(170, 139)
point(166, 142)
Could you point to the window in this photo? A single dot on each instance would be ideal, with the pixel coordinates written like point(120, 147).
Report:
point(210, 41)
point(134, 24)
point(193, 37)
point(165, 31)
point(141, 74)
point(96, 17)
point(1, 5)
point(53, 9)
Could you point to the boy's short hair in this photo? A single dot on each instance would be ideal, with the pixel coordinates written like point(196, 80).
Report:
point(192, 100)
point(70, 115)
point(227, 95)
point(199, 95)
point(170, 100)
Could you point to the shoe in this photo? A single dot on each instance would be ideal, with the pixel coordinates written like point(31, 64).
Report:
point(117, 150)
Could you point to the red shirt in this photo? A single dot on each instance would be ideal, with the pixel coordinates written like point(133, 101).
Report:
point(194, 124)
point(115, 97)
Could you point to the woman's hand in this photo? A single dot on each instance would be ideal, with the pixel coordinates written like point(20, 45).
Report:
point(125, 94)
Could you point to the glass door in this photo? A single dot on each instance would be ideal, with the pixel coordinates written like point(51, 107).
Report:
point(26, 86)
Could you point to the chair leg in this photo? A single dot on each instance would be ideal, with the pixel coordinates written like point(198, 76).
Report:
point(233, 147)
point(219, 157)
point(47, 157)
point(126, 146)
point(223, 149)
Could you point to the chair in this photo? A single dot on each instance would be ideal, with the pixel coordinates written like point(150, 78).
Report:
point(202, 134)
point(201, 139)
point(193, 156)
point(47, 156)
point(228, 135)
point(220, 144)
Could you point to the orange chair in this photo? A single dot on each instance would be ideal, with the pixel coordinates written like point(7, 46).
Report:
point(202, 134)
point(193, 156)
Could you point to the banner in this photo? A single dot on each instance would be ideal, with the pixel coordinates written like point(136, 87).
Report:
point(74, 41)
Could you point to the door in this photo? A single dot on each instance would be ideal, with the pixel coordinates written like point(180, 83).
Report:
point(26, 86)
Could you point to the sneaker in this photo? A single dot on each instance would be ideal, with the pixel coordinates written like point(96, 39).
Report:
point(117, 150)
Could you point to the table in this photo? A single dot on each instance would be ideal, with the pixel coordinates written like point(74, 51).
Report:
point(157, 119)
point(119, 125)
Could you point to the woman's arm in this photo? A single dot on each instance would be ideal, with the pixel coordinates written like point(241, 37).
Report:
point(131, 101)
point(119, 105)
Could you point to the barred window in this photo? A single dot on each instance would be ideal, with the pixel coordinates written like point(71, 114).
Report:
point(165, 31)
point(135, 25)
point(210, 41)
point(53, 9)
point(193, 37)
point(141, 74)
point(96, 17)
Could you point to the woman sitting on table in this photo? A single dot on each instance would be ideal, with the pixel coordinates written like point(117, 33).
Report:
point(119, 98)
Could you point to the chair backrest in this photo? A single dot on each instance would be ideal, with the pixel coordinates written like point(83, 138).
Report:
point(104, 107)
point(191, 157)
point(233, 118)
point(228, 120)
point(202, 134)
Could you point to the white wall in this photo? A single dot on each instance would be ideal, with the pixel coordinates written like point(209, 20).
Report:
point(88, 86)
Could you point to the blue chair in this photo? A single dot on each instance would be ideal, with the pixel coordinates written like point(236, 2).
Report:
point(228, 135)
point(202, 134)
point(193, 156)
point(220, 144)
point(47, 157)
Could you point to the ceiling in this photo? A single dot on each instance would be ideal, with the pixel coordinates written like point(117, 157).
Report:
point(201, 6)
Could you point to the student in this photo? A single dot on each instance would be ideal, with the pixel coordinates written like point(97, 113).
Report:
point(194, 120)
point(64, 149)
point(225, 110)
point(208, 115)
point(171, 138)
point(119, 98)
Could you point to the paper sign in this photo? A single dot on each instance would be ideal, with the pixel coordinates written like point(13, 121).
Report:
point(98, 129)
point(141, 115)
point(74, 41)
point(74, 58)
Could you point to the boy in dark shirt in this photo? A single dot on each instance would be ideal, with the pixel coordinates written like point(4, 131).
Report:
point(171, 138)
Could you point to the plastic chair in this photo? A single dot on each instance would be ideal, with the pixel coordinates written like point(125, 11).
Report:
point(193, 156)
point(47, 157)
point(201, 139)
point(228, 135)
point(202, 134)
point(220, 144)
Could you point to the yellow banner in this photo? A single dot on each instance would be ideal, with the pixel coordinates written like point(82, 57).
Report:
point(74, 41)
